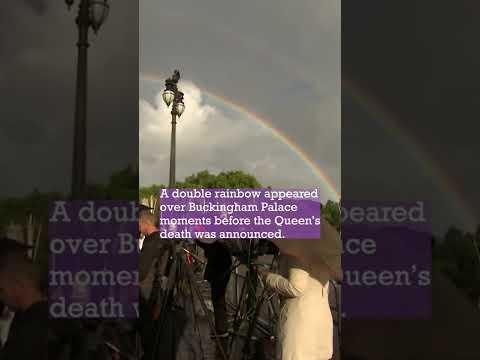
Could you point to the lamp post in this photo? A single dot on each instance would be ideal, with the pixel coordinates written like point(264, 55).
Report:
point(173, 96)
point(91, 13)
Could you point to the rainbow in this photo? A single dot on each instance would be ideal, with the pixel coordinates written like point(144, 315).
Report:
point(267, 124)
point(390, 122)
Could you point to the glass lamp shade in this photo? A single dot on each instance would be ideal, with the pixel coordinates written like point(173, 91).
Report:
point(168, 96)
point(180, 107)
point(98, 13)
point(69, 3)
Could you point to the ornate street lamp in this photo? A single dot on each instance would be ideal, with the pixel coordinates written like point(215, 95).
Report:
point(98, 13)
point(172, 96)
point(91, 13)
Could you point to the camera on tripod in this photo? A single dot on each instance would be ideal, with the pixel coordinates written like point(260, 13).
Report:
point(233, 261)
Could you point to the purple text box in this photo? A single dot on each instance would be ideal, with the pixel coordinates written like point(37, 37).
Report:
point(245, 213)
point(386, 260)
point(93, 261)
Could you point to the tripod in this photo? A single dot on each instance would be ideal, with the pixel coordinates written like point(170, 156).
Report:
point(245, 308)
point(179, 273)
point(245, 311)
point(248, 311)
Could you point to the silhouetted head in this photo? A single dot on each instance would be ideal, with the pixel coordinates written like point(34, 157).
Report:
point(20, 280)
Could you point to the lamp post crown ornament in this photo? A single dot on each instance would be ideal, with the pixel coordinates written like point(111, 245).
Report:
point(176, 76)
point(173, 95)
point(172, 81)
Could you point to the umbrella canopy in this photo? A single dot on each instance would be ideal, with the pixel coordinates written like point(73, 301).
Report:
point(322, 256)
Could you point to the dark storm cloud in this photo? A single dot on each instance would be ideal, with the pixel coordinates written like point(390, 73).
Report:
point(418, 59)
point(37, 91)
point(39, 6)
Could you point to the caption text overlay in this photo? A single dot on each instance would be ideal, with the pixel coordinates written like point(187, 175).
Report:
point(93, 264)
point(239, 213)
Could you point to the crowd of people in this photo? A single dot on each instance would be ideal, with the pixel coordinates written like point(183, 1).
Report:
point(304, 324)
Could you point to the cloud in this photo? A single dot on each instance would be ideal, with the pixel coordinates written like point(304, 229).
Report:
point(279, 59)
point(38, 58)
point(38, 6)
point(214, 137)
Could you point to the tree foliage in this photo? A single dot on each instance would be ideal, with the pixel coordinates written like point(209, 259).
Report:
point(456, 256)
point(204, 179)
point(331, 213)
point(232, 180)
point(122, 185)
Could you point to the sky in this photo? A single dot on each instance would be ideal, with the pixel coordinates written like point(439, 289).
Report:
point(417, 62)
point(37, 91)
point(277, 59)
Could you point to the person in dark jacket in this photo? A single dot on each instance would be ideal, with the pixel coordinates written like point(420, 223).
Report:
point(217, 272)
point(21, 291)
point(160, 336)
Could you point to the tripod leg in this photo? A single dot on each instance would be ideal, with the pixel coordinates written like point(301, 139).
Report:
point(196, 325)
point(237, 318)
point(158, 325)
point(251, 327)
point(204, 308)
